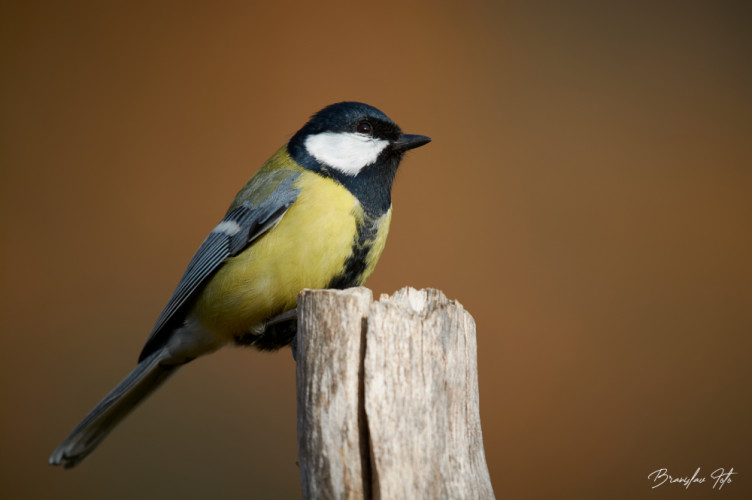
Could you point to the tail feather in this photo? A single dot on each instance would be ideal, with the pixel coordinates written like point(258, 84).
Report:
point(100, 421)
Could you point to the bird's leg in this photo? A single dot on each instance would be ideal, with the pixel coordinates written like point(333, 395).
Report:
point(282, 317)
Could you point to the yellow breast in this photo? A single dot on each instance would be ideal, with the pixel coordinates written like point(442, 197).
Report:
point(305, 250)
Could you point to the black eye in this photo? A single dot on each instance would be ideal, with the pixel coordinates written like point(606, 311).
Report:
point(364, 127)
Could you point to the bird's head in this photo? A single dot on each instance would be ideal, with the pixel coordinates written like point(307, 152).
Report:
point(350, 137)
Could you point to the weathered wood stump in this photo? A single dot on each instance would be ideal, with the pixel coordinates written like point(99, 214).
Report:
point(388, 397)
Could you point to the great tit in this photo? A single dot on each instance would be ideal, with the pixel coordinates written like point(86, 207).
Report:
point(316, 215)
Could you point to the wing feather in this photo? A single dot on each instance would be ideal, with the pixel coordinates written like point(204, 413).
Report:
point(237, 230)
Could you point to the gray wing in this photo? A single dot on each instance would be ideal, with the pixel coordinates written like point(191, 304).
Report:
point(238, 229)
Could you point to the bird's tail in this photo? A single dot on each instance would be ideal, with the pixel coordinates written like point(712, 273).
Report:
point(100, 421)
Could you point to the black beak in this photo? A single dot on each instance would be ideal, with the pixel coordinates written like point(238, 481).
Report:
point(410, 141)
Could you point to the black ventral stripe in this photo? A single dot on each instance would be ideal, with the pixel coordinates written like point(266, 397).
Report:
point(358, 261)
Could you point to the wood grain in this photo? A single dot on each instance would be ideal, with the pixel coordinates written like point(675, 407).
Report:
point(388, 397)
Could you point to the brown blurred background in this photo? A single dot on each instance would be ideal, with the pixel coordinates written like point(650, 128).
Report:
point(587, 197)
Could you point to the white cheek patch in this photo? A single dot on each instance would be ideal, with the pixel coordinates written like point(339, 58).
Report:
point(348, 152)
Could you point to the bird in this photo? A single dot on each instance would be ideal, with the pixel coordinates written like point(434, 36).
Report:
point(315, 215)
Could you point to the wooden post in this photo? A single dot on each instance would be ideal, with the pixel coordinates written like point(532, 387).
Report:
point(388, 397)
